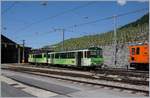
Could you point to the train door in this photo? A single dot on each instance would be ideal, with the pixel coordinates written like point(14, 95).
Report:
point(35, 59)
point(78, 58)
point(46, 57)
point(52, 58)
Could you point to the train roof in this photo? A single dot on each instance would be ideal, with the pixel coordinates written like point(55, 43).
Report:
point(87, 49)
point(137, 44)
point(39, 51)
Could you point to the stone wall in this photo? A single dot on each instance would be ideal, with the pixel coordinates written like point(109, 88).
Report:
point(122, 56)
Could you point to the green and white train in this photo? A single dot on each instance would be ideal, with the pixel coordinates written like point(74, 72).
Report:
point(91, 57)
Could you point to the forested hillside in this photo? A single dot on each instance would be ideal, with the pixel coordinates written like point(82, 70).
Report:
point(137, 31)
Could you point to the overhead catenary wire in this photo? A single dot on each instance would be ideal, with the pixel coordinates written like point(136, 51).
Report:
point(107, 18)
point(9, 8)
point(56, 15)
point(98, 20)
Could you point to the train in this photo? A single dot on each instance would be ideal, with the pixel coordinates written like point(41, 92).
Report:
point(89, 57)
point(139, 56)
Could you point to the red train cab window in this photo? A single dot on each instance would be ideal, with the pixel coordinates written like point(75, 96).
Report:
point(133, 51)
point(137, 50)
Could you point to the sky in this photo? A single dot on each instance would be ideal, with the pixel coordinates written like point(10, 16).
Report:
point(39, 23)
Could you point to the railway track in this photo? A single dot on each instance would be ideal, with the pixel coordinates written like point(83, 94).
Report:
point(123, 72)
point(117, 77)
point(108, 71)
point(84, 78)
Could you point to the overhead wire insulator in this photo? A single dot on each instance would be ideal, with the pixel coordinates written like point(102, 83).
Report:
point(44, 3)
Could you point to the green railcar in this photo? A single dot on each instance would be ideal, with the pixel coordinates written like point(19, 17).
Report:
point(62, 58)
point(31, 58)
point(38, 58)
point(86, 57)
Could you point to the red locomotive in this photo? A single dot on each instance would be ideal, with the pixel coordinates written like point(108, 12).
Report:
point(139, 56)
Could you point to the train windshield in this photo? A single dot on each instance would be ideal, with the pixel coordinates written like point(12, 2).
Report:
point(96, 53)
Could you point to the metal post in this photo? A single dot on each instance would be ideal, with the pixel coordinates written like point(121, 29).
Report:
point(115, 41)
point(18, 54)
point(23, 51)
point(63, 37)
point(63, 30)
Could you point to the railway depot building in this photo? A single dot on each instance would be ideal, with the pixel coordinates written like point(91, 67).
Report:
point(11, 52)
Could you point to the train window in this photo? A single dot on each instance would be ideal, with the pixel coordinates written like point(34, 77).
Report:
point(68, 55)
point(71, 55)
point(133, 51)
point(56, 55)
point(94, 53)
point(44, 55)
point(137, 50)
point(63, 55)
point(88, 54)
point(52, 55)
point(38, 56)
point(81, 54)
point(100, 52)
point(48, 55)
point(85, 53)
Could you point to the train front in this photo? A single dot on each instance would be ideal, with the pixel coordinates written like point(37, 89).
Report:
point(96, 57)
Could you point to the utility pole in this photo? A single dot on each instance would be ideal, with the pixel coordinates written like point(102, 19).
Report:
point(23, 51)
point(115, 41)
point(63, 36)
